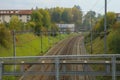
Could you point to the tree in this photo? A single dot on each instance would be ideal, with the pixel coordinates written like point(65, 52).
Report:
point(56, 14)
point(46, 19)
point(67, 16)
point(90, 15)
point(54, 29)
point(111, 19)
point(5, 36)
point(36, 20)
point(114, 40)
point(15, 23)
point(77, 17)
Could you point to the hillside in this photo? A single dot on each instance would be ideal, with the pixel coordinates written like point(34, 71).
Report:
point(113, 39)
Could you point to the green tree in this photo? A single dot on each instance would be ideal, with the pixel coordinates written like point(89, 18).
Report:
point(114, 40)
point(15, 23)
point(111, 19)
point(67, 15)
point(54, 29)
point(5, 36)
point(36, 20)
point(77, 17)
point(46, 19)
point(90, 15)
point(56, 14)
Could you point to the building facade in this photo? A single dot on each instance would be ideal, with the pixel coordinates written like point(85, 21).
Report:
point(23, 15)
point(66, 27)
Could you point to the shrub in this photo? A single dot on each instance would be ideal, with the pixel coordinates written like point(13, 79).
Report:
point(5, 36)
point(114, 41)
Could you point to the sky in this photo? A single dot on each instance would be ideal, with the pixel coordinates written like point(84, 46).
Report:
point(86, 5)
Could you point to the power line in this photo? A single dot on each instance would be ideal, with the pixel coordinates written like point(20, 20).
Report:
point(103, 6)
point(94, 5)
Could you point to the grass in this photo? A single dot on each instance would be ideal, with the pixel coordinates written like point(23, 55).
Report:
point(30, 45)
point(98, 48)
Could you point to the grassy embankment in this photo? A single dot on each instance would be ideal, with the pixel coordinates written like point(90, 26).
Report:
point(30, 45)
point(98, 48)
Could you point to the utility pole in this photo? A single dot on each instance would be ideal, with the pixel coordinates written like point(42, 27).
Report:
point(14, 48)
point(41, 42)
point(105, 28)
point(14, 44)
point(91, 31)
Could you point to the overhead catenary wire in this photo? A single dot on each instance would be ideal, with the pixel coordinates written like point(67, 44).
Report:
point(94, 5)
point(108, 2)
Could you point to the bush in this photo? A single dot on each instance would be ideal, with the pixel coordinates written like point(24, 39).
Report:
point(114, 41)
point(5, 36)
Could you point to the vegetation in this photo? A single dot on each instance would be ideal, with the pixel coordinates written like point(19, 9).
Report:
point(30, 45)
point(113, 28)
point(113, 38)
point(43, 20)
point(15, 24)
point(67, 15)
point(5, 36)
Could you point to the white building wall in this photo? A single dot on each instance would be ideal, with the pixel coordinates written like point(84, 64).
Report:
point(64, 27)
point(7, 18)
point(24, 18)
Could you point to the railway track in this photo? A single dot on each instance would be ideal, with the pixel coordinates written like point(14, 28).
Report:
point(71, 46)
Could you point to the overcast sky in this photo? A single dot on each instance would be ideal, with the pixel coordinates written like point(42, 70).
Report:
point(86, 5)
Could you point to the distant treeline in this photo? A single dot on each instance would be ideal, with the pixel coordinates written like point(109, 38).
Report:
point(46, 19)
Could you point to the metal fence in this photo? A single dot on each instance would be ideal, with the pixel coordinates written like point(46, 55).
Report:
point(109, 65)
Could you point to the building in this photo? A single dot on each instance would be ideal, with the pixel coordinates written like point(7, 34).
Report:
point(23, 15)
point(66, 27)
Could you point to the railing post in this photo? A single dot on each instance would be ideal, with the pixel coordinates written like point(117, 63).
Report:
point(107, 68)
point(57, 68)
point(1, 71)
point(113, 68)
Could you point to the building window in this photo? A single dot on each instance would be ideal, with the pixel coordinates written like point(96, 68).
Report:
point(20, 15)
point(28, 17)
point(28, 20)
point(4, 11)
point(1, 11)
point(21, 20)
point(11, 11)
point(10, 15)
point(7, 11)
point(16, 11)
